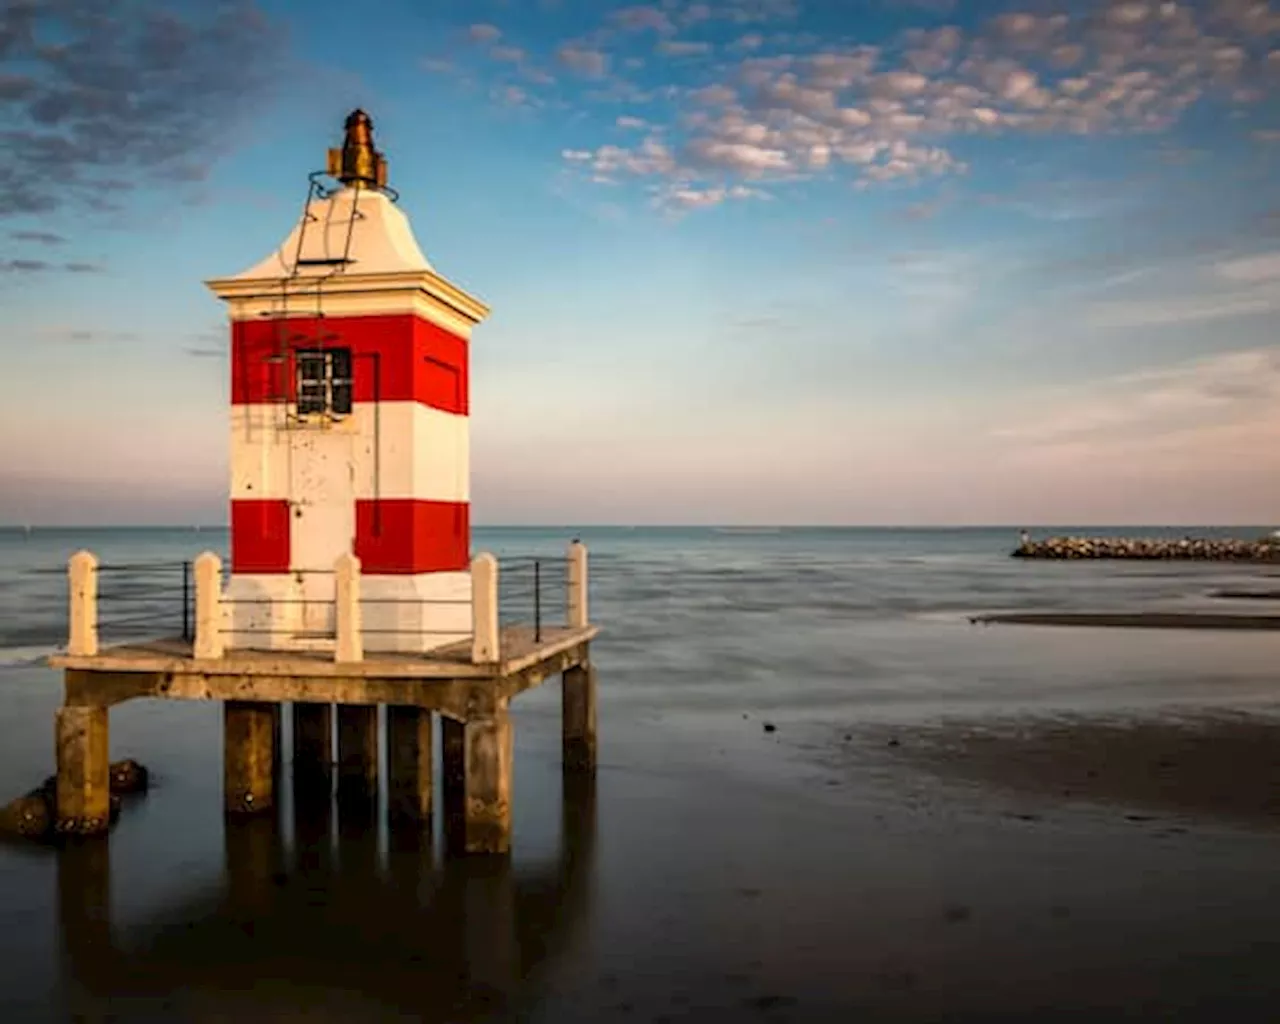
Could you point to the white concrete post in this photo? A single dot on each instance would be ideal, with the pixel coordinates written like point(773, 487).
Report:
point(82, 575)
point(209, 642)
point(346, 591)
point(577, 595)
point(484, 610)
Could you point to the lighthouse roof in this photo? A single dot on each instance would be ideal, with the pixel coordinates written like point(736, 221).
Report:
point(356, 247)
point(355, 231)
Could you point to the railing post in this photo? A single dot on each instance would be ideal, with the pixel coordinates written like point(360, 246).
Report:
point(186, 600)
point(349, 644)
point(209, 639)
point(82, 577)
point(484, 610)
point(577, 596)
point(537, 601)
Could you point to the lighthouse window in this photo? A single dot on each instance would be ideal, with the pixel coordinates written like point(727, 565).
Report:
point(324, 381)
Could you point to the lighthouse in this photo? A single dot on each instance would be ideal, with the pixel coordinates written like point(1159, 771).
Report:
point(349, 423)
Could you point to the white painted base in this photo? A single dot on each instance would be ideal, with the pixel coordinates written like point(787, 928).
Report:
point(278, 612)
point(415, 613)
point(296, 612)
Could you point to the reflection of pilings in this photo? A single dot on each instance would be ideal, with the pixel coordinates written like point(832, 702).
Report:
point(254, 863)
point(489, 924)
point(470, 935)
point(84, 916)
point(312, 822)
point(358, 833)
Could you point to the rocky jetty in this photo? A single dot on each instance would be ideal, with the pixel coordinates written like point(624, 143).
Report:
point(1265, 549)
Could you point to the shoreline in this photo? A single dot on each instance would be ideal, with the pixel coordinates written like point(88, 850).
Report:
point(1132, 620)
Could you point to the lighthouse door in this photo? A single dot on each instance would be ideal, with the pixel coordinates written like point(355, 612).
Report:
point(321, 482)
point(323, 517)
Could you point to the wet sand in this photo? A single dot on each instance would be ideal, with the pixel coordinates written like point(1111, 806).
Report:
point(1203, 767)
point(714, 875)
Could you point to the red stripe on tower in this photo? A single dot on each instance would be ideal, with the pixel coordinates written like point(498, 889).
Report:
point(260, 536)
point(398, 537)
point(400, 358)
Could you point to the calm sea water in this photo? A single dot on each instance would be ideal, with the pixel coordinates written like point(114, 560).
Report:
point(705, 630)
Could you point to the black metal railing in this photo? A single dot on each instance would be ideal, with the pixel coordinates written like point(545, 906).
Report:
point(368, 604)
point(533, 589)
point(142, 600)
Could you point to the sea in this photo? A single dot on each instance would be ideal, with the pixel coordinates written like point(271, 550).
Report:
point(719, 868)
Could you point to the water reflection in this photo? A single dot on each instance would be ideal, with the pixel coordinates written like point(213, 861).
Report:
point(325, 927)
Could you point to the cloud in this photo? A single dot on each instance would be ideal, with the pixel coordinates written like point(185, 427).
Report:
point(483, 33)
point(23, 266)
point(43, 237)
point(683, 48)
point(641, 18)
point(81, 335)
point(1229, 392)
point(900, 111)
point(583, 60)
point(100, 97)
point(1255, 269)
point(437, 65)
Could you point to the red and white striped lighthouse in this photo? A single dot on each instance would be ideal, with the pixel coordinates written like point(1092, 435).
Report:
point(349, 423)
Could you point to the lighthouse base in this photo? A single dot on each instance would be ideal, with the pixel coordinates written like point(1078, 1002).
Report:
point(295, 611)
point(415, 613)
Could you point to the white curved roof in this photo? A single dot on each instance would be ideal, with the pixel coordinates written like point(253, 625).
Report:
point(379, 240)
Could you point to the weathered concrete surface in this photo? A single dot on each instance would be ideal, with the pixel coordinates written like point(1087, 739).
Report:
point(1132, 620)
point(489, 760)
point(578, 718)
point(409, 756)
point(1186, 548)
point(249, 757)
point(84, 771)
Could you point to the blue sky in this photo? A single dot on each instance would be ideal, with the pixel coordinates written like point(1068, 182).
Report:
point(887, 262)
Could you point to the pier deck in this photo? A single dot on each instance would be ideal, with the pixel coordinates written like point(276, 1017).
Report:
point(444, 680)
point(335, 695)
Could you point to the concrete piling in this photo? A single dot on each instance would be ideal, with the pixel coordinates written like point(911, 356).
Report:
point(84, 770)
point(249, 757)
point(578, 718)
point(409, 755)
point(358, 752)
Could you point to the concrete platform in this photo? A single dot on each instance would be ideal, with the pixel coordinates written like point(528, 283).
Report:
point(445, 680)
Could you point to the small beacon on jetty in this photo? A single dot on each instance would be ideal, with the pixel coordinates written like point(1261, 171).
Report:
point(352, 583)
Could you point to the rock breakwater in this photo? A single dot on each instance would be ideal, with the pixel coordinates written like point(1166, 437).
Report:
point(1186, 548)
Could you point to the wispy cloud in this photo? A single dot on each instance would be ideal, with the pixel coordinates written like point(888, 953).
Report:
point(782, 107)
point(24, 266)
point(97, 99)
point(1236, 391)
point(41, 237)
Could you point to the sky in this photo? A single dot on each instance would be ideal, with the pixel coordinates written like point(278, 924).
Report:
point(882, 262)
